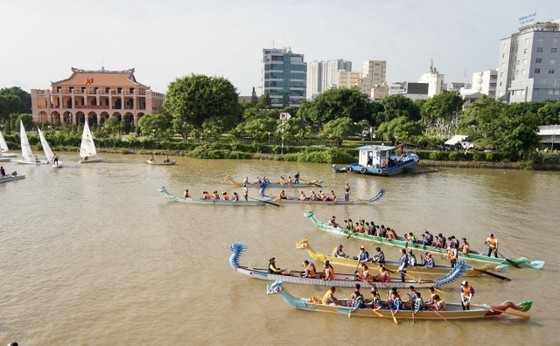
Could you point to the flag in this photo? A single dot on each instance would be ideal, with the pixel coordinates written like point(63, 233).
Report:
point(285, 116)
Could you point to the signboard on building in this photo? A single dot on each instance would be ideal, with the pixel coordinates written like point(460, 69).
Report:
point(530, 18)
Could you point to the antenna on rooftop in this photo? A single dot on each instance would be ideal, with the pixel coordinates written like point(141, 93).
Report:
point(102, 64)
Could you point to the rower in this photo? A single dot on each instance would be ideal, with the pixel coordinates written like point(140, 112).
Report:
point(357, 300)
point(466, 248)
point(332, 221)
point(391, 233)
point(226, 196)
point(312, 196)
point(439, 304)
point(380, 257)
point(186, 194)
point(411, 259)
point(272, 267)
point(403, 264)
point(328, 272)
point(283, 195)
point(302, 196)
point(365, 275)
point(467, 293)
point(332, 197)
point(383, 275)
point(418, 303)
point(363, 256)
point(432, 296)
point(337, 252)
point(413, 294)
point(329, 298)
point(296, 178)
point(492, 243)
point(396, 303)
point(428, 239)
point(309, 270)
point(235, 197)
point(429, 260)
point(289, 180)
point(215, 195)
point(452, 254)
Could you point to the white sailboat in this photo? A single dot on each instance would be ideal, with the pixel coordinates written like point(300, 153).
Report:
point(48, 152)
point(87, 148)
point(26, 153)
point(4, 155)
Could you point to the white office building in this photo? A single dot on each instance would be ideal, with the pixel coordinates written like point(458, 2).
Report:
point(373, 79)
point(529, 64)
point(434, 79)
point(324, 75)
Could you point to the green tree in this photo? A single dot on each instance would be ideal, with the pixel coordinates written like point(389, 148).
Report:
point(27, 120)
point(396, 106)
point(195, 98)
point(338, 129)
point(549, 113)
point(258, 127)
point(155, 125)
point(482, 119)
point(442, 106)
point(11, 104)
point(401, 130)
point(293, 130)
point(23, 95)
point(112, 126)
point(338, 103)
point(517, 135)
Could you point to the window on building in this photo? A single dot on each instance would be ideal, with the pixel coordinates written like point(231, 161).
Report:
point(553, 50)
point(525, 51)
point(524, 61)
point(523, 71)
point(526, 40)
point(58, 89)
point(501, 74)
point(83, 89)
point(538, 60)
point(132, 90)
point(95, 89)
point(550, 91)
point(551, 71)
point(537, 71)
point(503, 55)
point(555, 40)
point(500, 83)
point(107, 90)
point(539, 49)
point(71, 89)
point(552, 61)
point(119, 90)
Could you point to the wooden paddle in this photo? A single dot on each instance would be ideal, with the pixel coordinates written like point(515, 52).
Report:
point(377, 313)
point(492, 274)
point(518, 314)
point(394, 318)
point(508, 260)
point(437, 313)
point(262, 200)
point(313, 182)
point(421, 283)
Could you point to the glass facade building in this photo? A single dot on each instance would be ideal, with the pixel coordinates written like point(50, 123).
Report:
point(284, 76)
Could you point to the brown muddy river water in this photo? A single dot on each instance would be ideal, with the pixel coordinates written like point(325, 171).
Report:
point(94, 255)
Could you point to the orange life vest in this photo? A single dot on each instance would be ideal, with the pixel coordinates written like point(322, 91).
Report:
point(440, 305)
point(328, 273)
point(493, 242)
point(366, 275)
point(311, 269)
point(384, 276)
point(467, 291)
point(226, 197)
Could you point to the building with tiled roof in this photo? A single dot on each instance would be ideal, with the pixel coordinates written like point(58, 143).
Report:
point(94, 96)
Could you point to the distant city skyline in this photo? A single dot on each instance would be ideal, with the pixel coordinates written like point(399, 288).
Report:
point(42, 39)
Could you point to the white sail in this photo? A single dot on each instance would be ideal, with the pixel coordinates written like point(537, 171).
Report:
point(88, 147)
point(25, 147)
point(3, 145)
point(48, 152)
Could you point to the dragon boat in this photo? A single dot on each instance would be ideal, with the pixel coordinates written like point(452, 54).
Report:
point(212, 201)
point(339, 201)
point(454, 311)
point(394, 265)
point(340, 280)
point(280, 185)
point(474, 257)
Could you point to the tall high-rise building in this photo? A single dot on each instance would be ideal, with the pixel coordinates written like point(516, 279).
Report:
point(284, 75)
point(373, 79)
point(528, 68)
point(324, 75)
point(485, 82)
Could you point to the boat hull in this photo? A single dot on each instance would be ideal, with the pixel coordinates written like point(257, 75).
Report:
point(211, 201)
point(161, 163)
point(90, 161)
point(473, 258)
point(421, 271)
point(8, 178)
point(23, 162)
point(399, 168)
point(8, 155)
point(312, 183)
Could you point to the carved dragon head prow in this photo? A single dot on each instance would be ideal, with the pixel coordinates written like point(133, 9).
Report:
point(308, 213)
point(275, 288)
point(303, 244)
point(236, 250)
point(162, 189)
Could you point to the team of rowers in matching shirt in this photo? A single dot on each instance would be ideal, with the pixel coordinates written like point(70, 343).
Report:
point(216, 195)
point(451, 244)
point(394, 300)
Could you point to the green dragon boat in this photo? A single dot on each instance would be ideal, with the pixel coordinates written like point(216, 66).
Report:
point(474, 257)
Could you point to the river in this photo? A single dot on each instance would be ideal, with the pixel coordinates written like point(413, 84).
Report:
point(93, 254)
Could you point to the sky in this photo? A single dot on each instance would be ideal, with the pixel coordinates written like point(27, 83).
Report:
point(40, 40)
